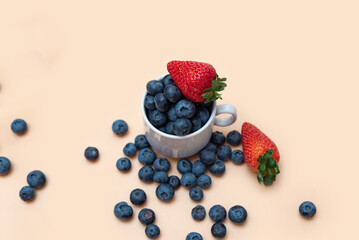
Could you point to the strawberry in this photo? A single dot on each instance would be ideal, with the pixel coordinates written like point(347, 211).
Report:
point(197, 81)
point(260, 153)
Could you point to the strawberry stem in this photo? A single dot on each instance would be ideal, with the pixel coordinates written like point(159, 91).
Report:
point(267, 169)
point(211, 94)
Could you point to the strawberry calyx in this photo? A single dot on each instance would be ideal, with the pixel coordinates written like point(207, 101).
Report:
point(268, 168)
point(211, 94)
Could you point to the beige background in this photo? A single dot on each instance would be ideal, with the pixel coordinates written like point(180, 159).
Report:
point(70, 68)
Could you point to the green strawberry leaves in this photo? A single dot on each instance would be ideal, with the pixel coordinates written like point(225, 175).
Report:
point(211, 94)
point(268, 168)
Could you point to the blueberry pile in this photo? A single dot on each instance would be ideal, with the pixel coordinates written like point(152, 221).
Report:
point(36, 180)
point(170, 112)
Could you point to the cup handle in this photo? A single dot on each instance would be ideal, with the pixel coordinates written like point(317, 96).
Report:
point(225, 108)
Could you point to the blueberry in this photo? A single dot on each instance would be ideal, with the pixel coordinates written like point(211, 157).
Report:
point(91, 154)
point(218, 230)
point(172, 93)
point(152, 231)
point(161, 102)
point(307, 209)
point(160, 177)
point(27, 193)
point(170, 127)
point(237, 214)
point(153, 87)
point(196, 194)
point(234, 138)
point(171, 114)
point(141, 142)
point(224, 152)
point(119, 127)
point(194, 236)
point(19, 126)
point(182, 127)
point(198, 213)
point(184, 166)
point(237, 157)
point(130, 149)
point(217, 168)
point(204, 181)
point(207, 157)
point(146, 174)
point(218, 213)
point(203, 114)
point(146, 216)
point(123, 164)
point(188, 180)
point(36, 179)
point(146, 156)
point(174, 181)
point(205, 105)
point(5, 165)
point(138, 196)
point(185, 108)
point(165, 192)
point(123, 211)
point(211, 147)
point(198, 168)
point(157, 118)
point(161, 164)
point(167, 80)
point(196, 124)
point(162, 129)
point(218, 138)
point(150, 102)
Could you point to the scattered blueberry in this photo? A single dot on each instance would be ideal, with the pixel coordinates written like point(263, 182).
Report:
point(19, 126)
point(165, 192)
point(119, 127)
point(170, 127)
point(204, 181)
point(217, 213)
point(194, 236)
point(184, 166)
point(138, 196)
point(234, 138)
point(146, 156)
point(198, 168)
point(207, 157)
point(237, 157)
point(146, 216)
point(161, 164)
point(217, 168)
point(91, 154)
point(188, 180)
point(237, 214)
point(171, 114)
point(153, 87)
point(182, 127)
point(307, 209)
point(174, 181)
point(157, 118)
point(146, 174)
point(123, 211)
point(123, 164)
point(152, 231)
point(150, 102)
point(5, 165)
point(141, 142)
point(196, 124)
point(36, 179)
point(160, 177)
point(161, 102)
point(218, 138)
point(211, 147)
point(218, 230)
point(27, 193)
point(172, 93)
point(167, 80)
point(198, 213)
point(185, 108)
point(203, 114)
point(196, 194)
point(130, 149)
point(224, 152)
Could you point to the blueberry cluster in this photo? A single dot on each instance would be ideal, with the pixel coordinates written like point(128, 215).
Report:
point(36, 180)
point(169, 112)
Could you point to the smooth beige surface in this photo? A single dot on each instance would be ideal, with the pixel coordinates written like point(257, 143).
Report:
point(70, 68)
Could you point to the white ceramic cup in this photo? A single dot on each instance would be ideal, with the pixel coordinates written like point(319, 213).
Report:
point(188, 145)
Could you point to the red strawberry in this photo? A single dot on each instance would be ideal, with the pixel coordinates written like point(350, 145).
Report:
point(260, 153)
point(197, 81)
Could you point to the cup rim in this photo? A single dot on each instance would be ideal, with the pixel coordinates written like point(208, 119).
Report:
point(145, 118)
